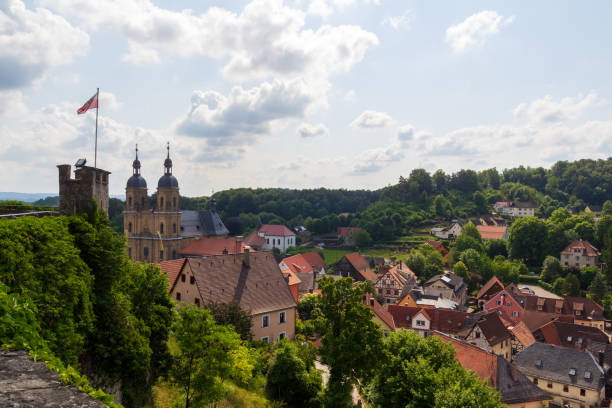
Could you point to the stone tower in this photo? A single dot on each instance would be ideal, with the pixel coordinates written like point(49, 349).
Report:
point(168, 211)
point(136, 199)
point(89, 184)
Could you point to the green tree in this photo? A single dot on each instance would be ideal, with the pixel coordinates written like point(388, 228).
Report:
point(416, 262)
point(607, 208)
point(468, 238)
point(461, 270)
point(571, 285)
point(203, 355)
point(606, 254)
point(481, 203)
point(351, 340)
point(598, 288)
point(551, 269)
point(291, 379)
point(231, 314)
point(496, 247)
point(308, 306)
point(527, 240)
point(362, 238)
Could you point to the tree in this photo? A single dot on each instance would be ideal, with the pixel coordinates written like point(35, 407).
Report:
point(496, 247)
point(461, 270)
point(231, 313)
point(351, 339)
point(606, 254)
point(235, 225)
point(362, 238)
point(481, 202)
point(551, 269)
point(293, 380)
point(527, 240)
point(571, 285)
point(468, 238)
point(203, 356)
point(606, 208)
point(416, 262)
point(598, 288)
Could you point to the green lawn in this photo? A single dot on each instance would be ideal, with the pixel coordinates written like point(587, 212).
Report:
point(334, 255)
point(331, 256)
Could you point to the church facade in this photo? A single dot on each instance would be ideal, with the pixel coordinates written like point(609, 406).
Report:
point(155, 232)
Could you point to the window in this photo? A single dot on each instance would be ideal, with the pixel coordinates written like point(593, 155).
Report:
point(129, 201)
point(565, 388)
point(535, 381)
point(142, 202)
point(268, 241)
point(178, 295)
point(174, 228)
point(197, 302)
point(515, 314)
point(388, 291)
point(174, 254)
point(265, 339)
point(282, 335)
point(192, 279)
point(130, 252)
point(265, 321)
point(582, 392)
point(477, 334)
point(396, 292)
point(161, 203)
point(174, 202)
point(380, 291)
point(161, 228)
point(420, 323)
point(282, 317)
point(146, 252)
point(549, 385)
point(129, 227)
point(508, 303)
point(182, 277)
point(161, 255)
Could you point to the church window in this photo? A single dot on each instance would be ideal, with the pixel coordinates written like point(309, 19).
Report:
point(130, 202)
point(173, 202)
point(173, 227)
point(130, 252)
point(178, 295)
point(174, 254)
point(142, 202)
point(161, 203)
point(146, 252)
point(182, 277)
point(129, 227)
point(161, 228)
point(161, 255)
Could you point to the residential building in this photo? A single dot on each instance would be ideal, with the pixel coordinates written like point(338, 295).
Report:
point(448, 286)
point(569, 335)
point(416, 298)
point(425, 320)
point(272, 236)
point(488, 290)
point(381, 316)
point(580, 253)
point(489, 232)
point(355, 266)
point(515, 209)
point(254, 280)
point(294, 283)
point(505, 304)
point(207, 246)
point(572, 377)
point(516, 390)
point(438, 246)
point(521, 336)
point(392, 283)
point(450, 232)
point(489, 333)
point(345, 234)
point(308, 267)
point(159, 232)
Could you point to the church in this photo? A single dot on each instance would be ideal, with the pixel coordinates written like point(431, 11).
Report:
point(159, 231)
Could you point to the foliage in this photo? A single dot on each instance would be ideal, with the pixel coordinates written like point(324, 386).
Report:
point(231, 314)
point(571, 285)
point(598, 288)
point(422, 372)
point(551, 269)
point(351, 340)
point(203, 356)
point(425, 262)
point(293, 379)
point(362, 238)
point(527, 240)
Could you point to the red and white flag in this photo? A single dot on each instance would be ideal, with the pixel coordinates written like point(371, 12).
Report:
point(90, 104)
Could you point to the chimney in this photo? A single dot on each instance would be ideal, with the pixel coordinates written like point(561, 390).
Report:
point(315, 273)
point(247, 257)
point(238, 243)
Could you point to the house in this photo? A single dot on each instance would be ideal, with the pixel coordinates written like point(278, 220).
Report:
point(448, 286)
point(489, 333)
point(438, 246)
point(505, 304)
point(294, 283)
point(381, 316)
point(572, 377)
point(416, 298)
point(488, 290)
point(272, 236)
point(489, 232)
point(449, 232)
point(254, 280)
point(569, 335)
point(394, 282)
point(521, 337)
point(516, 390)
point(593, 209)
point(580, 253)
point(307, 267)
point(515, 208)
point(346, 235)
point(355, 266)
point(425, 320)
point(207, 246)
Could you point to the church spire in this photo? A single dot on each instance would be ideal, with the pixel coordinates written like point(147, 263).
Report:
point(136, 163)
point(168, 161)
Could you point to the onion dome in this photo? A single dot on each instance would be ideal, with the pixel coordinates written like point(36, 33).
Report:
point(168, 180)
point(136, 181)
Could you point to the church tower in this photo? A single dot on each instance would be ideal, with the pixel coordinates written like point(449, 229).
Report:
point(168, 214)
point(136, 203)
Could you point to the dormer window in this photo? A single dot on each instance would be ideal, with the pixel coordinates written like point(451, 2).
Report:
point(572, 371)
point(569, 339)
point(539, 363)
point(587, 375)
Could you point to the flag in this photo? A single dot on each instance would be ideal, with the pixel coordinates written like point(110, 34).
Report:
point(161, 241)
point(90, 104)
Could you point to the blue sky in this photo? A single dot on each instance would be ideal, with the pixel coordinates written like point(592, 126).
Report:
point(334, 93)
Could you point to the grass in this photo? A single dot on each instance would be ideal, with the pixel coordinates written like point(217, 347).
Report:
point(331, 256)
point(166, 395)
point(334, 255)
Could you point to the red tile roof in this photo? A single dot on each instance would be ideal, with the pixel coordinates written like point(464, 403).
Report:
point(292, 278)
point(435, 244)
point(314, 258)
point(254, 240)
point(491, 231)
point(569, 334)
point(276, 230)
point(493, 329)
point(443, 320)
point(213, 246)
point(362, 266)
point(522, 333)
point(585, 248)
point(379, 311)
point(172, 269)
point(303, 263)
point(344, 231)
point(492, 282)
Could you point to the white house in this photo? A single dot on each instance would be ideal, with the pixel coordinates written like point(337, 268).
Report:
point(447, 233)
point(276, 236)
point(515, 209)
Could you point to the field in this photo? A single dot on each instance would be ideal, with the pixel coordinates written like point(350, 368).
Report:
point(334, 255)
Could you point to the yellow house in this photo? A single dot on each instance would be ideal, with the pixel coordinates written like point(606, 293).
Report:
point(490, 334)
point(571, 377)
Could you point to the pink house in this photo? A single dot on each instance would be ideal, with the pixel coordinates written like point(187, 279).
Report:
point(506, 306)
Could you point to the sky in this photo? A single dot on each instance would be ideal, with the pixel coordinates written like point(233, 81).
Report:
point(300, 93)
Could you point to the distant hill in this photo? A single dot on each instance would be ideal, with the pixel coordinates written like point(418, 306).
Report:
point(25, 197)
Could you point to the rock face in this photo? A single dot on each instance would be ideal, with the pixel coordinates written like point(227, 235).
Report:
point(28, 384)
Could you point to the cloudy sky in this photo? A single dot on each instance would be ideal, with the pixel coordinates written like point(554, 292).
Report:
point(301, 93)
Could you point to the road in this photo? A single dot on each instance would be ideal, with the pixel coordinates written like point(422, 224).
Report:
point(325, 373)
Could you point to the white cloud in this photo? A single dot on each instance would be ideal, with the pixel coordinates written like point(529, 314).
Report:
point(371, 119)
point(11, 103)
point(267, 39)
point(350, 96)
point(244, 115)
point(320, 7)
point(548, 111)
point(475, 29)
point(32, 42)
point(405, 133)
point(108, 102)
point(399, 22)
point(306, 130)
point(373, 160)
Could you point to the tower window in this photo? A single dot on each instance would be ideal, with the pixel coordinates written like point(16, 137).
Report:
point(142, 202)
point(130, 201)
point(129, 227)
point(161, 255)
point(173, 254)
point(161, 228)
point(161, 203)
point(130, 252)
point(173, 227)
point(146, 252)
point(174, 202)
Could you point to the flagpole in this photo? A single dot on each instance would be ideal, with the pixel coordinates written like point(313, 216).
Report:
point(96, 145)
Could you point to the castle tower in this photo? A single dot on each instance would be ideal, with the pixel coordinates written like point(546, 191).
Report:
point(76, 194)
